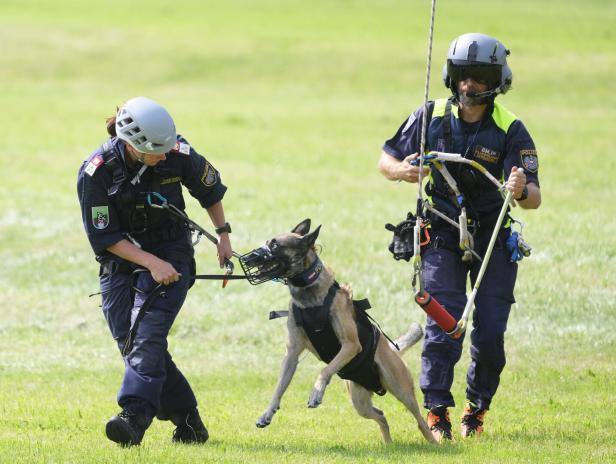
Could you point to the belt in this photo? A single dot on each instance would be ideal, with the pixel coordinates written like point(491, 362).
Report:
point(172, 232)
point(114, 267)
point(472, 224)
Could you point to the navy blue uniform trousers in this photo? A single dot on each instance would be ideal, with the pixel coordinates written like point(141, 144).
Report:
point(152, 382)
point(445, 277)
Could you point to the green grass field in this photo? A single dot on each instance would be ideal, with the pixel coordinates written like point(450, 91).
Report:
point(292, 102)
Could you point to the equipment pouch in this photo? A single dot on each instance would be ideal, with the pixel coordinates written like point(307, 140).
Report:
point(518, 248)
point(401, 246)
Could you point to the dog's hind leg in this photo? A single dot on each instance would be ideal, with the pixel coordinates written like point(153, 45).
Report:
point(362, 402)
point(397, 380)
point(295, 346)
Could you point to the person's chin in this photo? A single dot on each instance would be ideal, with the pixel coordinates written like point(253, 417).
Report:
point(471, 101)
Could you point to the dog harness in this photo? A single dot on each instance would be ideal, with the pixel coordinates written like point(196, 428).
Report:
point(317, 324)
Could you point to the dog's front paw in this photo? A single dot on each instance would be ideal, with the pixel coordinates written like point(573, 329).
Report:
point(264, 420)
point(316, 397)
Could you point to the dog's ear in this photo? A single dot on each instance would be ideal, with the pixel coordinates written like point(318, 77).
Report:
point(302, 228)
point(308, 240)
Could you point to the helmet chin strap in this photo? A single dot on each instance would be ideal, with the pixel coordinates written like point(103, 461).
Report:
point(136, 153)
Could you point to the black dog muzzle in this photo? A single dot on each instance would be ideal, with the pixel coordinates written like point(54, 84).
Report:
point(262, 265)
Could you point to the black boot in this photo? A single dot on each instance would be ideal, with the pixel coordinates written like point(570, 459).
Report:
point(128, 427)
point(190, 428)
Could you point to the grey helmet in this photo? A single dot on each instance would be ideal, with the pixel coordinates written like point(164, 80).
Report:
point(479, 56)
point(146, 126)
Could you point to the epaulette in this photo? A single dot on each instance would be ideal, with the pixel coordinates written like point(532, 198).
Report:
point(99, 157)
point(95, 162)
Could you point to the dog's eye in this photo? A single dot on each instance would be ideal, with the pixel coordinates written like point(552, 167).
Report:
point(272, 244)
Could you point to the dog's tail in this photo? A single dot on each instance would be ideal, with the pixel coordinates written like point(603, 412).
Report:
point(408, 339)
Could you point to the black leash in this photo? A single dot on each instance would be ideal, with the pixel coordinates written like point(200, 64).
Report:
point(155, 293)
point(218, 277)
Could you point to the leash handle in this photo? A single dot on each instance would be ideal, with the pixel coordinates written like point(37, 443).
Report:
point(132, 333)
point(217, 277)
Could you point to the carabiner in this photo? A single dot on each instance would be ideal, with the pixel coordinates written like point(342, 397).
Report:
point(427, 159)
point(229, 268)
point(163, 200)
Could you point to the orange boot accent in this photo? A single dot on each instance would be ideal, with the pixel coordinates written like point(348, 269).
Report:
point(472, 421)
point(439, 423)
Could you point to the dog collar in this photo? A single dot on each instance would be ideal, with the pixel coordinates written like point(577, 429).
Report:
point(308, 276)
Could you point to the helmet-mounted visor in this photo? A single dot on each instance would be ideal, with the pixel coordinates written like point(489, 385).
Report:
point(481, 73)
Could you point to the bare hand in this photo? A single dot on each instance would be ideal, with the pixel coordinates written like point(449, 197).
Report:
point(409, 173)
point(224, 249)
point(516, 182)
point(164, 273)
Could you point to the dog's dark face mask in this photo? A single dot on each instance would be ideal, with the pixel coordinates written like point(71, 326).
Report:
point(281, 257)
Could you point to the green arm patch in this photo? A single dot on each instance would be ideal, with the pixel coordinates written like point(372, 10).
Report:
point(100, 217)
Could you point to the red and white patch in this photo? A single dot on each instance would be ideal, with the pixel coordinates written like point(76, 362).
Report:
point(182, 148)
point(93, 165)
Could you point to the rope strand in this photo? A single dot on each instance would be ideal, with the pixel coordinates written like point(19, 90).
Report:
point(424, 129)
point(417, 278)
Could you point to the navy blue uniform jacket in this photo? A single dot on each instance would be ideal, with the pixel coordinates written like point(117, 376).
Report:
point(104, 183)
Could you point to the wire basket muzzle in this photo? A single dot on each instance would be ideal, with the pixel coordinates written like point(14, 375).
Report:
point(261, 265)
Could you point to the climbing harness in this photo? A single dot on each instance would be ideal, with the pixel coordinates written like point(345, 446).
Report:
point(437, 159)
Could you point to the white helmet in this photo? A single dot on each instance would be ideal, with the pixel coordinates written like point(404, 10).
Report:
point(146, 126)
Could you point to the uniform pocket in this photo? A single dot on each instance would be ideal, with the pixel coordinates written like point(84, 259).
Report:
point(116, 303)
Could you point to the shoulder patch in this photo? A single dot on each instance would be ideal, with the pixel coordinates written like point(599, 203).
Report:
point(529, 160)
point(209, 176)
point(100, 217)
point(93, 165)
point(182, 147)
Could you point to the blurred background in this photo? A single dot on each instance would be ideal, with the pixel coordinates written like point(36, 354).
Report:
point(292, 102)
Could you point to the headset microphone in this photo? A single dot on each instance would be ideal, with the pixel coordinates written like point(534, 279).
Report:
point(488, 93)
point(485, 94)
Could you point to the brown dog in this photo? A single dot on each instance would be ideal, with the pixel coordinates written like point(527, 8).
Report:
point(315, 296)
